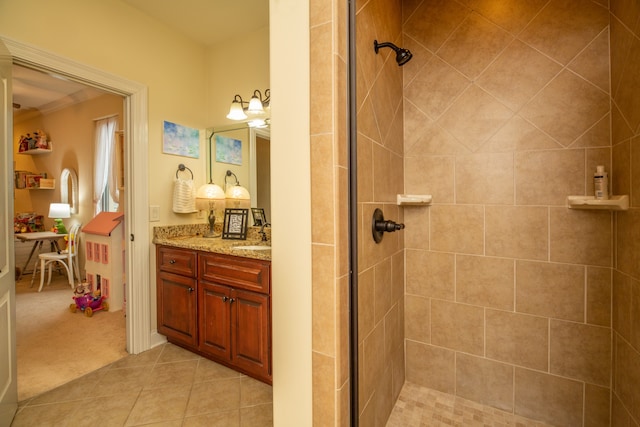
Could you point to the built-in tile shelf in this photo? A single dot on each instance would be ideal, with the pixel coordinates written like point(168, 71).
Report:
point(613, 203)
point(414, 199)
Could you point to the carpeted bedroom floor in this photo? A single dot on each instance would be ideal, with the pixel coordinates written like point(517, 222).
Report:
point(55, 346)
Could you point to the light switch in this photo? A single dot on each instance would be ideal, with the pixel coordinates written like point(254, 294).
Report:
point(154, 213)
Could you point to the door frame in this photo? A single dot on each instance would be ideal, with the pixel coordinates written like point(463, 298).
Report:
point(135, 123)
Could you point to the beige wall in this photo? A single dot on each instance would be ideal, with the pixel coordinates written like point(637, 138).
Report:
point(507, 291)
point(625, 63)
point(72, 132)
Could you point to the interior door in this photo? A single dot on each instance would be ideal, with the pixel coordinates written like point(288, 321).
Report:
point(8, 370)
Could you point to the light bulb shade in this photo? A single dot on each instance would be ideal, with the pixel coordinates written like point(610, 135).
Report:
point(210, 192)
point(59, 210)
point(236, 112)
point(255, 105)
point(237, 192)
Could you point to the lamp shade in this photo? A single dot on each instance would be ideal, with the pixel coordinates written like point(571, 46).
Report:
point(255, 105)
point(236, 112)
point(237, 192)
point(59, 210)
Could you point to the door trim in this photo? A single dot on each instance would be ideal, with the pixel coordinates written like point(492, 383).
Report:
point(138, 321)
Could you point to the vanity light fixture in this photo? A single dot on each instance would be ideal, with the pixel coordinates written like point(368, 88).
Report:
point(256, 106)
point(402, 55)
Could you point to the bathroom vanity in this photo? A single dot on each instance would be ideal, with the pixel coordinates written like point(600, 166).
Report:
point(214, 298)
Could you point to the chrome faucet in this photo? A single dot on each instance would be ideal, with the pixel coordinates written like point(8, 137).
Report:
point(262, 232)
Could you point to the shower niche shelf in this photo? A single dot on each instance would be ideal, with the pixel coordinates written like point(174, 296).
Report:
point(414, 200)
point(614, 203)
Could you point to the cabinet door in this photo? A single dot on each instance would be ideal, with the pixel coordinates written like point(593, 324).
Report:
point(251, 332)
point(177, 308)
point(214, 311)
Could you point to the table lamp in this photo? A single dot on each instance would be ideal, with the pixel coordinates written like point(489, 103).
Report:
point(57, 211)
point(207, 197)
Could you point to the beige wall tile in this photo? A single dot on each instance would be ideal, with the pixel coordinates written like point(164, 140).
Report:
point(517, 232)
point(324, 299)
point(599, 296)
point(373, 363)
point(511, 15)
point(485, 179)
point(579, 351)
point(549, 33)
point(484, 381)
point(628, 242)
point(592, 63)
point(550, 290)
point(433, 22)
point(430, 274)
point(555, 400)
point(621, 306)
point(418, 319)
point(580, 237)
point(635, 172)
point(512, 83)
point(417, 222)
point(432, 175)
point(548, 177)
point(321, 79)
point(457, 326)
point(324, 392)
point(635, 314)
point(322, 189)
point(519, 339)
point(382, 289)
point(596, 406)
point(457, 228)
point(627, 376)
point(485, 281)
point(474, 45)
point(430, 366)
point(366, 303)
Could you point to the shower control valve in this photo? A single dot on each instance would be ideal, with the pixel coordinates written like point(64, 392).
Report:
point(379, 225)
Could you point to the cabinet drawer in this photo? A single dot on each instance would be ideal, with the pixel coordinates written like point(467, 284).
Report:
point(244, 273)
point(178, 261)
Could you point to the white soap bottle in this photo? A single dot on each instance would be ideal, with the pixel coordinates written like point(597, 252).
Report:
point(600, 184)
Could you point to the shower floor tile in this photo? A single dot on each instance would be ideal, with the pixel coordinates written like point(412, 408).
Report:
point(423, 407)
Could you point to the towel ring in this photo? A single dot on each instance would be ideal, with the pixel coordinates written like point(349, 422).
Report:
point(181, 168)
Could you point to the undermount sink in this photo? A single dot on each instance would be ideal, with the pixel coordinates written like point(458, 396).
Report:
point(253, 248)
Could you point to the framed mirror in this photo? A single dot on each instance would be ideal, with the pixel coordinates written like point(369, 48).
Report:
point(250, 162)
point(69, 185)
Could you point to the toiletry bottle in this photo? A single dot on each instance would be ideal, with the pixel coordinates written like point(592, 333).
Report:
point(600, 184)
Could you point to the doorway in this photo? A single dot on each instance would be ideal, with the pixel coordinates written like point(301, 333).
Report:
point(138, 329)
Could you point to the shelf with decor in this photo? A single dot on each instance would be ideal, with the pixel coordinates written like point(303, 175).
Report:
point(36, 151)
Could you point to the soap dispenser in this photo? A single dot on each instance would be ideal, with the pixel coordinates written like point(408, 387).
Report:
point(600, 184)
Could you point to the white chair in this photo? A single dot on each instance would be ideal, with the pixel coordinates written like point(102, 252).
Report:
point(68, 258)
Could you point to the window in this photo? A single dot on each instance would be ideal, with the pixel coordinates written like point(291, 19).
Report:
point(106, 195)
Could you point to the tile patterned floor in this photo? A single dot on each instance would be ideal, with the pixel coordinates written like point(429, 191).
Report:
point(165, 386)
point(422, 407)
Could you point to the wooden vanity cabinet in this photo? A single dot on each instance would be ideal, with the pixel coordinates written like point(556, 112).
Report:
point(235, 312)
point(218, 306)
point(176, 295)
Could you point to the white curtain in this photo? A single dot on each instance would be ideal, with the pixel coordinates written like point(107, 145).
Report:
point(105, 141)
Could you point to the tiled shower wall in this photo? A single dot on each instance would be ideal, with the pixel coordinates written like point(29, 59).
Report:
point(625, 83)
point(380, 178)
point(508, 292)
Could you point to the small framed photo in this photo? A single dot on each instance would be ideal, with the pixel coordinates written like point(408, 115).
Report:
point(235, 224)
point(259, 217)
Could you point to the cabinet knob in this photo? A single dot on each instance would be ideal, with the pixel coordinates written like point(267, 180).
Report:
point(224, 299)
point(190, 290)
point(231, 300)
point(172, 261)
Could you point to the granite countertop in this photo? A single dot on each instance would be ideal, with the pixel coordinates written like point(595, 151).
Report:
point(191, 236)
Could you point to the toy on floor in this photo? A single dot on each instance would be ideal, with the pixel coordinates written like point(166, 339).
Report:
point(88, 302)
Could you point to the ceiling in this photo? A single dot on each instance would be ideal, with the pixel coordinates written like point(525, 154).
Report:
point(206, 22)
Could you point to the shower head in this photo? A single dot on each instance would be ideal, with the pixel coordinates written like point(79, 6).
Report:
point(402, 55)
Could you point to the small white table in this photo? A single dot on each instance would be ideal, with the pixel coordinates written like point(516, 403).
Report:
point(38, 238)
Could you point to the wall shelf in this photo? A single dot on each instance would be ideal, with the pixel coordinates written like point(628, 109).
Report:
point(414, 199)
point(36, 151)
point(614, 203)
